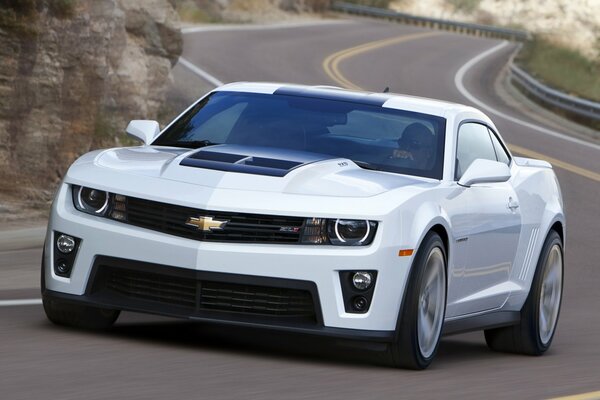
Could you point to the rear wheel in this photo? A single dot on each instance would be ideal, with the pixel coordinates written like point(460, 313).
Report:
point(539, 316)
point(424, 307)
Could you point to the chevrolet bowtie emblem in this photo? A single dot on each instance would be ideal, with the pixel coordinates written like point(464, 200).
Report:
point(205, 224)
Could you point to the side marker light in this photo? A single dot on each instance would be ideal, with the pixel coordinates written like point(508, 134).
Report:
point(405, 253)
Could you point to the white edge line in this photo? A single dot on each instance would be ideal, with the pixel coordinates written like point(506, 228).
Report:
point(200, 72)
point(23, 302)
point(458, 82)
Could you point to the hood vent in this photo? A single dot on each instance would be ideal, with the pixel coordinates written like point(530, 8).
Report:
point(250, 160)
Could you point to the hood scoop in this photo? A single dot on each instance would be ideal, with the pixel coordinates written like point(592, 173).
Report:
point(251, 159)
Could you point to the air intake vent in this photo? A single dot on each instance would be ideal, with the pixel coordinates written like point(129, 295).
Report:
point(270, 163)
point(250, 160)
point(218, 157)
point(193, 296)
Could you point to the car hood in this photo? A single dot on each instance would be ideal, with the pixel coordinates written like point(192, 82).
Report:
point(255, 169)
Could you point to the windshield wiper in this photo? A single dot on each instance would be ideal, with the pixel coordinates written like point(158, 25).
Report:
point(191, 144)
point(366, 165)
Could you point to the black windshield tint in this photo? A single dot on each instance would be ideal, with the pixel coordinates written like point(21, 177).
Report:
point(380, 138)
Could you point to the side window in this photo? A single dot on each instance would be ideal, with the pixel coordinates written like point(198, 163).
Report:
point(500, 151)
point(473, 142)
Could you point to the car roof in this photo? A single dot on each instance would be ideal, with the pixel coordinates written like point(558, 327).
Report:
point(387, 100)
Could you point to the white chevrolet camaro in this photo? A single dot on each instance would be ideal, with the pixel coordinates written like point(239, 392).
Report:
point(373, 217)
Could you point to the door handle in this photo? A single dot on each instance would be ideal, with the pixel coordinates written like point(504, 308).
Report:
point(512, 204)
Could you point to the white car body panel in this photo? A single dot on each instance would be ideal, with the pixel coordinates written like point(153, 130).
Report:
point(492, 250)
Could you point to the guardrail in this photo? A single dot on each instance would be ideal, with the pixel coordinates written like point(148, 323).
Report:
point(565, 102)
point(436, 23)
point(570, 104)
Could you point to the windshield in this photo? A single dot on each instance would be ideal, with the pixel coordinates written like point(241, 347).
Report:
point(372, 136)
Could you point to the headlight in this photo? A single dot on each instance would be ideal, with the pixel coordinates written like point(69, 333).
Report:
point(91, 201)
point(341, 232)
point(351, 232)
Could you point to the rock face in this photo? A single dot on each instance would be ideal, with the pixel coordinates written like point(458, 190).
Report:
point(71, 81)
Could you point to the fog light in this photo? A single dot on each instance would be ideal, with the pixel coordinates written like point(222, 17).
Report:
point(62, 267)
point(65, 244)
point(360, 303)
point(362, 280)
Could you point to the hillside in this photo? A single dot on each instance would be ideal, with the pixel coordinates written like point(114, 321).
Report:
point(571, 23)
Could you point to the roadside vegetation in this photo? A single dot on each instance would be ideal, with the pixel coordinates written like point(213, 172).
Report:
point(245, 11)
point(561, 68)
point(371, 3)
point(196, 12)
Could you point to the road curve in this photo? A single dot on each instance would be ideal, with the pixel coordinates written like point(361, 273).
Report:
point(149, 357)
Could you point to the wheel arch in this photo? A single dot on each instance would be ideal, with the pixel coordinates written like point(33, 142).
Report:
point(441, 227)
point(559, 227)
point(556, 223)
point(433, 220)
point(443, 234)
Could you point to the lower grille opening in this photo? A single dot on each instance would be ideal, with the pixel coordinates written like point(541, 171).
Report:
point(256, 299)
point(154, 287)
point(194, 296)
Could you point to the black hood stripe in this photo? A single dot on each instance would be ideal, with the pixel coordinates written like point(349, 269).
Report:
point(251, 159)
point(329, 94)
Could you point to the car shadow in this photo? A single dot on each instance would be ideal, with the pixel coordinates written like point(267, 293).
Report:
point(262, 343)
point(250, 341)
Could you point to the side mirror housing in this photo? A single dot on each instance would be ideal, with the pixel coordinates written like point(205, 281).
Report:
point(485, 171)
point(144, 130)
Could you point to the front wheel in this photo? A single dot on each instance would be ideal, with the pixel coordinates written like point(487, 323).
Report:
point(539, 316)
point(424, 307)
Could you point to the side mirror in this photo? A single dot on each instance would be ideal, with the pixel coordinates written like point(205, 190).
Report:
point(143, 129)
point(485, 171)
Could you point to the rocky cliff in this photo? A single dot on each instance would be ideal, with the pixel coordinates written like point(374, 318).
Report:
point(72, 74)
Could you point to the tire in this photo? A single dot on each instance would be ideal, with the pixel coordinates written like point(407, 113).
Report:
point(75, 315)
point(424, 307)
point(539, 315)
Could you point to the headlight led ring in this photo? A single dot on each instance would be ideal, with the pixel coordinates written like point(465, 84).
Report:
point(341, 239)
point(90, 208)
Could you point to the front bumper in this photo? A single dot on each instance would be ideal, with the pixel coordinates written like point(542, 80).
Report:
point(318, 266)
point(162, 301)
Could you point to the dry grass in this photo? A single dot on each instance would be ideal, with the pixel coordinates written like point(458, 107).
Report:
point(562, 68)
point(195, 12)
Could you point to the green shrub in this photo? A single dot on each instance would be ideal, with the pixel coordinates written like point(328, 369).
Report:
point(466, 6)
point(318, 5)
point(371, 3)
point(20, 7)
point(19, 17)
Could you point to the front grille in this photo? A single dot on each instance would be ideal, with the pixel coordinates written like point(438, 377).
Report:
point(239, 227)
point(256, 299)
point(146, 286)
point(197, 295)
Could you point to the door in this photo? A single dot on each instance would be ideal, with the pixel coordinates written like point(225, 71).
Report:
point(490, 225)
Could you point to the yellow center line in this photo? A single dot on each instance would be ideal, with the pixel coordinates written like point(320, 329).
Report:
point(331, 66)
point(582, 396)
point(331, 63)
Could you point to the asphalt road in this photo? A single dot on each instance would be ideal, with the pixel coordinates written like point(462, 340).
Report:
point(150, 357)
